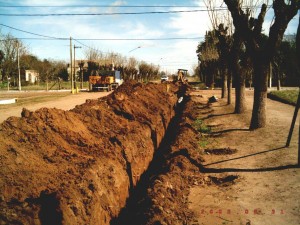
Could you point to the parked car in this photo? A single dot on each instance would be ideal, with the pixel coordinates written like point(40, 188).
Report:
point(164, 78)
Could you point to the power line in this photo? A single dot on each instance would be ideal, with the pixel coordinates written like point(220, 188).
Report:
point(109, 14)
point(101, 6)
point(86, 45)
point(46, 37)
point(118, 6)
point(112, 39)
point(40, 35)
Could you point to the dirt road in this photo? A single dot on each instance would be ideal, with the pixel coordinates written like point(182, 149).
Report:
point(57, 100)
point(260, 183)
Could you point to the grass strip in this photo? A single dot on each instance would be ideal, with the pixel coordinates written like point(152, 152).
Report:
point(285, 96)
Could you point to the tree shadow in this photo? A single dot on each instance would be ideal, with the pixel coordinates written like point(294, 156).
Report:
point(220, 105)
point(268, 169)
point(204, 169)
point(216, 115)
point(245, 156)
point(229, 130)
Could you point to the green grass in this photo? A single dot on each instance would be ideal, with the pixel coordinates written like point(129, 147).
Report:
point(38, 99)
point(203, 142)
point(203, 129)
point(27, 100)
point(43, 86)
point(200, 126)
point(285, 96)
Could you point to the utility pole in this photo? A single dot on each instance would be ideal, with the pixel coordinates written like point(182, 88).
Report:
point(71, 67)
point(75, 62)
point(81, 64)
point(292, 127)
point(18, 56)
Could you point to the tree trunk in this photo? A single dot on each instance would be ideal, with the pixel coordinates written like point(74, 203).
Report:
point(47, 88)
point(224, 83)
point(229, 86)
point(240, 100)
point(240, 87)
point(81, 83)
point(261, 71)
point(278, 80)
point(238, 74)
point(270, 76)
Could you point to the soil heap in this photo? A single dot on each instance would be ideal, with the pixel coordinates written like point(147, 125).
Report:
point(79, 166)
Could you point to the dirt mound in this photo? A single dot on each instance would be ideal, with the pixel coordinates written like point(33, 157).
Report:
point(78, 166)
point(224, 181)
point(220, 151)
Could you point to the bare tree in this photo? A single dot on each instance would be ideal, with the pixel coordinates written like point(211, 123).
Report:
point(222, 24)
point(131, 69)
point(261, 53)
point(208, 56)
point(93, 54)
point(10, 47)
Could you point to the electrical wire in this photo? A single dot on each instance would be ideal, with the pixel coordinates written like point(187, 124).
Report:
point(101, 6)
point(40, 35)
point(46, 37)
point(108, 14)
point(118, 6)
point(114, 39)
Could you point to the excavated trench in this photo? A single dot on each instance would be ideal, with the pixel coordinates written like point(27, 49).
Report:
point(137, 206)
point(90, 165)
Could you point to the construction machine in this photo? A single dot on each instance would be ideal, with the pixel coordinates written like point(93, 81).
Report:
point(106, 80)
point(182, 74)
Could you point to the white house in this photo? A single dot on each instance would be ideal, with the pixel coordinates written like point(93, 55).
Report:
point(31, 76)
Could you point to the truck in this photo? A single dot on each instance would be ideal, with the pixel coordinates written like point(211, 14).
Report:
point(106, 80)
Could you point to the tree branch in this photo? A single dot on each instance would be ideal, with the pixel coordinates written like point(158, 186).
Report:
point(283, 15)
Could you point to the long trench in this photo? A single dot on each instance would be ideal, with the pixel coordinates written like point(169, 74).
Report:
point(137, 203)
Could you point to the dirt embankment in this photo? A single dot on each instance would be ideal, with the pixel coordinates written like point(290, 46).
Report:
point(78, 166)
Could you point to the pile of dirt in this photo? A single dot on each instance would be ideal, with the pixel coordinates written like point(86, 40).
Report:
point(224, 181)
point(220, 151)
point(79, 166)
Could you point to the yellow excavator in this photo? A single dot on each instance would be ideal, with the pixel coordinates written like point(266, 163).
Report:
point(181, 75)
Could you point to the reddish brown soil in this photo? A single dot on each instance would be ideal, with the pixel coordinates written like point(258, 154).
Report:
point(228, 176)
point(267, 176)
point(82, 161)
point(78, 166)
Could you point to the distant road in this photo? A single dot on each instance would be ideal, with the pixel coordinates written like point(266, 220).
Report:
point(60, 102)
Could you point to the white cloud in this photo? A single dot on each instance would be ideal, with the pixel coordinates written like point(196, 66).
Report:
point(182, 55)
point(186, 24)
point(139, 30)
point(118, 3)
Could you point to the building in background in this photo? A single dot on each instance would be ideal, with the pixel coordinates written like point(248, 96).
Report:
point(31, 76)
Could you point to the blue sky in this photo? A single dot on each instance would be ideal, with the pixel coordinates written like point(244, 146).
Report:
point(170, 55)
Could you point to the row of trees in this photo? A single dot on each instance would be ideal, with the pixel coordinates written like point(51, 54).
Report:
point(52, 70)
point(12, 48)
point(130, 68)
point(245, 51)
